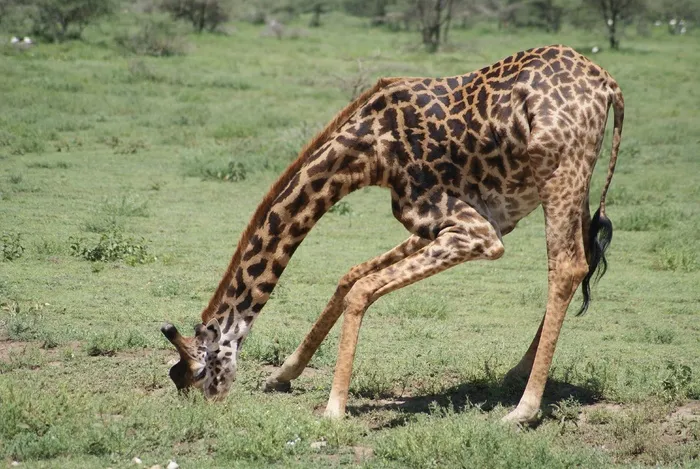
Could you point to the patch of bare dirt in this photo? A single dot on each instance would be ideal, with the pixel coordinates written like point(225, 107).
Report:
point(9, 348)
point(650, 432)
point(53, 356)
point(689, 411)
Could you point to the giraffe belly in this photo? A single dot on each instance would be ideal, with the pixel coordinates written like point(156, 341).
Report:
point(509, 208)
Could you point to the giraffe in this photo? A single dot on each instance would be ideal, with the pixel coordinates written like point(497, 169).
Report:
point(465, 158)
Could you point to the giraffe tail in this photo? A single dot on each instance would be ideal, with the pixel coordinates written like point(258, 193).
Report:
point(600, 231)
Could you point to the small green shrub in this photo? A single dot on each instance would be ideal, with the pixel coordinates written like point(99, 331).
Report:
point(676, 384)
point(11, 246)
point(657, 335)
point(125, 206)
point(102, 223)
point(113, 246)
point(25, 322)
point(22, 327)
point(566, 410)
point(110, 344)
point(235, 171)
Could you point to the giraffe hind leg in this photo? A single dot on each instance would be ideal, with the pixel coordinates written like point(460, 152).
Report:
point(563, 193)
point(297, 361)
point(521, 371)
point(463, 236)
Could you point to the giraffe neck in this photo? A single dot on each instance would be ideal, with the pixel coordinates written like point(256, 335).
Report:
point(281, 223)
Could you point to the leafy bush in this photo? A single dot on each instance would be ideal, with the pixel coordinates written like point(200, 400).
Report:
point(677, 381)
point(11, 246)
point(113, 246)
point(158, 38)
point(58, 20)
point(203, 14)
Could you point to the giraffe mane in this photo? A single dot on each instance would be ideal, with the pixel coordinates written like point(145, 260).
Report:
point(340, 118)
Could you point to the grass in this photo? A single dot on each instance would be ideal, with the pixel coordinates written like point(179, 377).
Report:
point(99, 144)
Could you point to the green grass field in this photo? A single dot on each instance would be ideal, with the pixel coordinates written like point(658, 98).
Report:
point(95, 142)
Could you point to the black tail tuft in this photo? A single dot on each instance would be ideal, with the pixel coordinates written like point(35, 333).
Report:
point(599, 237)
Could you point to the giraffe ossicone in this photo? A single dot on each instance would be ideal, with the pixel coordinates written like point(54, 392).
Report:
point(465, 159)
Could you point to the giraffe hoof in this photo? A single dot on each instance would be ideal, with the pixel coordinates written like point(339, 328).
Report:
point(272, 385)
point(521, 416)
point(333, 413)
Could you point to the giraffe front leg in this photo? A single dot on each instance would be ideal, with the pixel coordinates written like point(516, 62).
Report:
point(456, 243)
point(297, 361)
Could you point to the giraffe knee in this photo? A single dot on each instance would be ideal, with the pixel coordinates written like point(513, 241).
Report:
point(348, 280)
point(485, 248)
point(359, 296)
point(495, 251)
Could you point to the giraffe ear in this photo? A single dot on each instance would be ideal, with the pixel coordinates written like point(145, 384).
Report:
point(212, 334)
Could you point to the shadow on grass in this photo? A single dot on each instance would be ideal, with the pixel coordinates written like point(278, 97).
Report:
point(484, 394)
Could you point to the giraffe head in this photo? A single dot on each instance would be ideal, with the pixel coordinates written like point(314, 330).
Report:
point(207, 360)
point(189, 371)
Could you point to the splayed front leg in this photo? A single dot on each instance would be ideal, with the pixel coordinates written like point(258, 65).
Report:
point(463, 236)
point(297, 361)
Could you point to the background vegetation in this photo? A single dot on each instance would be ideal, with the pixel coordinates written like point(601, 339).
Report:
point(132, 157)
